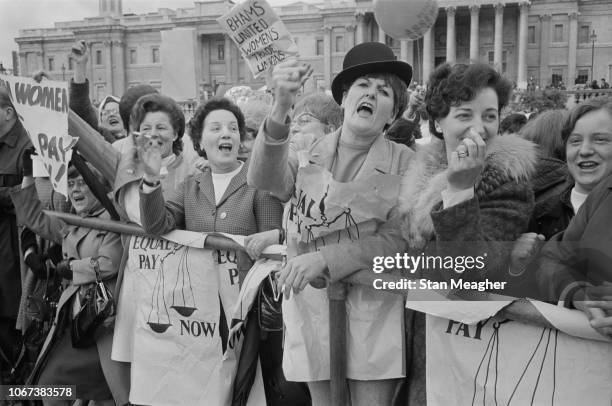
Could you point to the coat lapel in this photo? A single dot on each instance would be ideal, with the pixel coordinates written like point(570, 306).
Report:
point(378, 159)
point(204, 179)
point(236, 183)
point(323, 151)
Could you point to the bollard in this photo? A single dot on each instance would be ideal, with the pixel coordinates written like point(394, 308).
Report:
point(336, 293)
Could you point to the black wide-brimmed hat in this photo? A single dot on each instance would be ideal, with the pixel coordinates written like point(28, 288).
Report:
point(369, 57)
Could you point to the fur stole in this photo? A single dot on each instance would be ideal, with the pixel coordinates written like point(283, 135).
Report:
point(509, 159)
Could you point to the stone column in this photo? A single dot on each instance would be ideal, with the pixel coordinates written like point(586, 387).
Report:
point(428, 53)
point(573, 45)
point(474, 33)
point(544, 49)
point(350, 35)
point(108, 67)
point(521, 80)
point(41, 59)
point(407, 51)
point(381, 35)
point(235, 61)
point(205, 43)
point(499, 36)
point(451, 36)
point(327, 69)
point(361, 27)
point(22, 70)
point(228, 61)
point(119, 68)
point(92, 79)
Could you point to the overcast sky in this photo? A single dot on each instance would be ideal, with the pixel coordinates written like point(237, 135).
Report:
point(19, 14)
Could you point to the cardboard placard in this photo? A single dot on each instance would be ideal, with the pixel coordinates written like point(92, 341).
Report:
point(43, 110)
point(261, 36)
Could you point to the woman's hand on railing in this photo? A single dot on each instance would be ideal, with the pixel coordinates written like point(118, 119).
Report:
point(301, 270)
point(254, 244)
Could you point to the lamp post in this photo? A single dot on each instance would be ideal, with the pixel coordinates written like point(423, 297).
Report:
point(63, 72)
point(593, 38)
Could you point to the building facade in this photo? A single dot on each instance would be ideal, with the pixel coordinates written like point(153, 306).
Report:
point(184, 53)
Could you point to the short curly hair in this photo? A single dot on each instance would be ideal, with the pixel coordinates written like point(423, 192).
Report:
point(196, 125)
point(449, 86)
point(155, 102)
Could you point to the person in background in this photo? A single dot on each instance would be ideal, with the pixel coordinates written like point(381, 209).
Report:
point(604, 84)
point(512, 124)
point(551, 177)
point(255, 111)
point(14, 141)
point(404, 132)
point(110, 121)
point(314, 116)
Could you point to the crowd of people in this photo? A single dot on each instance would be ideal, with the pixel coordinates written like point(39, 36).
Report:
point(377, 168)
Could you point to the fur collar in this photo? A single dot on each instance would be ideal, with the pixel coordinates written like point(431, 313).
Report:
point(509, 158)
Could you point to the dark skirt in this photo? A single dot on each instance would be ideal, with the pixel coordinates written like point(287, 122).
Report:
point(65, 365)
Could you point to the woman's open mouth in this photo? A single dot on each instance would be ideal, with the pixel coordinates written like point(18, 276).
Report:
point(226, 147)
point(365, 109)
point(588, 166)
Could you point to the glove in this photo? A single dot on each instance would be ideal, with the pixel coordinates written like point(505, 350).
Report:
point(63, 269)
point(37, 264)
point(26, 161)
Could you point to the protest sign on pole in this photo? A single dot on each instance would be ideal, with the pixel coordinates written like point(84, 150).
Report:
point(43, 110)
point(261, 36)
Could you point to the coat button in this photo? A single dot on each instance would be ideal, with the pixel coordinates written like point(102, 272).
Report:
point(223, 215)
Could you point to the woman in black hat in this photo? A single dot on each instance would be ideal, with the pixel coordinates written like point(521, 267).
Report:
point(339, 189)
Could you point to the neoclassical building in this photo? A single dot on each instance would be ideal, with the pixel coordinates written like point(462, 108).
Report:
point(184, 53)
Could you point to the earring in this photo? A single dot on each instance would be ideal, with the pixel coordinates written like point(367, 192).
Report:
point(437, 127)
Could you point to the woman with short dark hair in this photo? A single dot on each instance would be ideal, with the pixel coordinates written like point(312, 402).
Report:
point(170, 112)
point(216, 199)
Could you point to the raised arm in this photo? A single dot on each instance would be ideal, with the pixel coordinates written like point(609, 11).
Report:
point(83, 119)
point(274, 162)
point(80, 102)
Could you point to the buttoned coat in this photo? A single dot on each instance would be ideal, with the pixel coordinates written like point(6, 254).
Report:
point(82, 244)
point(243, 210)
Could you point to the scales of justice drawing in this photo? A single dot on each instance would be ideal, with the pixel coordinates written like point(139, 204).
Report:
point(183, 298)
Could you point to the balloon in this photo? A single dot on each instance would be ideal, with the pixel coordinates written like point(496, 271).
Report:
point(406, 19)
